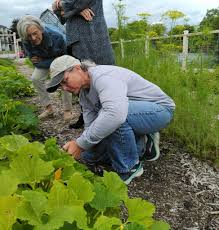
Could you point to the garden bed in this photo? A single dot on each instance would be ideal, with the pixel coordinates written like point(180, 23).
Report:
point(184, 189)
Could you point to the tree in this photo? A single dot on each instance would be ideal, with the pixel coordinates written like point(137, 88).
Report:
point(179, 29)
point(136, 29)
point(158, 28)
point(211, 20)
point(13, 26)
point(208, 23)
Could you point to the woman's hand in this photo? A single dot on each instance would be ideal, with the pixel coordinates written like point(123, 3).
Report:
point(73, 149)
point(58, 4)
point(36, 59)
point(87, 14)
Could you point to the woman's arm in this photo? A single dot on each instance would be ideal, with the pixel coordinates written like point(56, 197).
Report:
point(74, 7)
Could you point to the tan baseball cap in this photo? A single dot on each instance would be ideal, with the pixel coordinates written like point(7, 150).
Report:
point(57, 69)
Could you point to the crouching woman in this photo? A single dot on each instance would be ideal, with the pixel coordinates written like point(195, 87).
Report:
point(42, 45)
point(123, 113)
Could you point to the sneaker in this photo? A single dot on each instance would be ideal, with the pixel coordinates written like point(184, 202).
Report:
point(152, 152)
point(68, 116)
point(46, 114)
point(136, 171)
point(79, 124)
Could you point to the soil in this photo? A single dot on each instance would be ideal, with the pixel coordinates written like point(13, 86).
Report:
point(184, 189)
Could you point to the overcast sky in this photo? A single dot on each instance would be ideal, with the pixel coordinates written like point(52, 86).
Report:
point(194, 9)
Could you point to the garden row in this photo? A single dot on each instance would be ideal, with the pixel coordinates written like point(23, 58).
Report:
point(15, 116)
point(43, 188)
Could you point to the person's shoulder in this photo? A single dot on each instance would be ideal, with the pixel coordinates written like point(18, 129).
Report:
point(53, 30)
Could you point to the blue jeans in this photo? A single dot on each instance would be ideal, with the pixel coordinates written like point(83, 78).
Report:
point(125, 145)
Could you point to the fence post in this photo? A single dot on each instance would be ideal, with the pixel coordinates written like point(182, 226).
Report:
point(15, 45)
point(185, 49)
point(122, 48)
point(146, 46)
point(0, 43)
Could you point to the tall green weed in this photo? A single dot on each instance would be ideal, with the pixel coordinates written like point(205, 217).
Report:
point(196, 94)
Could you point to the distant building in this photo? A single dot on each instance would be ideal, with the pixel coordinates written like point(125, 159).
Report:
point(6, 42)
point(50, 19)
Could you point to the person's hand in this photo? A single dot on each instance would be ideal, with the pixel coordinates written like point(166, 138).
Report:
point(58, 4)
point(87, 14)
point(36, 59)
point(73, 149)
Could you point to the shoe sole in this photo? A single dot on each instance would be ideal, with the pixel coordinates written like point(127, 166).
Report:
point(48, 116)
point(138, 173)
point(156, 141)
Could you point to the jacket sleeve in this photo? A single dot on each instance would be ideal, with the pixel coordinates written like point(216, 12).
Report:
point(44, 64)
point(27, 51)
point(59, 16)
point(74, 7)
point(59, 47)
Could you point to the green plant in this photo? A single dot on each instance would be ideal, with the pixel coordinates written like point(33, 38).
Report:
point(14, 84)
point(195, 93)
point(44, 188)
point(6, 62)
point(16, 117)
point(29, 63)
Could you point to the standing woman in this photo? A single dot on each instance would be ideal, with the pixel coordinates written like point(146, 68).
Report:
point(42, 45)
point(86, 32)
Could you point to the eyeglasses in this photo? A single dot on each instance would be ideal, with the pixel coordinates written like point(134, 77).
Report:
point(66, 77)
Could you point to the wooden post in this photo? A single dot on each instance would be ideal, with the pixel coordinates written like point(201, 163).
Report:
point(185, 49)
point(0, 43)
point(146, 46)
point(122, 48)
point(15, 45)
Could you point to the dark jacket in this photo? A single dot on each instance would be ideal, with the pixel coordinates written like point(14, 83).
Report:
point(53, 45)
point(88, 39)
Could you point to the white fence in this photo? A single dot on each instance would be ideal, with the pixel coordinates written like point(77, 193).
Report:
point(16, 47)
point(185, 45)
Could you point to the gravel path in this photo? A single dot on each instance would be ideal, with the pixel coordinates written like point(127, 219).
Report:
point(184, 189)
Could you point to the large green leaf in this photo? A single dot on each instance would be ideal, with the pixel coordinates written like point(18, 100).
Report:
point(30, 169)
point(9, 183)
point(106, 223)
point(8, 206)
point(64, 206)
point(25, 212)
point(52, 213)
point(52, 150)
point(140, 211)
point(67, 172)
point(59, 216)
point(82, 187)
point(10, 143)
point(34, 148)
point(13, 142)
point(104, 198)
point(115, 185)
point(135, 226)
point(37, 200)
point(60, 196)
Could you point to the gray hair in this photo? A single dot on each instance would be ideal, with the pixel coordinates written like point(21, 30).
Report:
point(27, 21)
point(85, 64)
